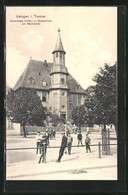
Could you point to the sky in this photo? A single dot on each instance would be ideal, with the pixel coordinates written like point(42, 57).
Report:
point(89, 37)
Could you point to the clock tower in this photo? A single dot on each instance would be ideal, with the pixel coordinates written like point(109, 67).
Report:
point(59, 73)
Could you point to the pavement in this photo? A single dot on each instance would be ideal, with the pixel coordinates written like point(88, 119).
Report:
point(23, 164)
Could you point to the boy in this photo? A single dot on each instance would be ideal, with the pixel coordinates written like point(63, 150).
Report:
point(87, 143)
point(70, 140)
point(79, 137)
point(44, 149)
point(38, 139)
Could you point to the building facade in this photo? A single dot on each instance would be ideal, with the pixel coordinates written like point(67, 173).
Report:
point(57, 89)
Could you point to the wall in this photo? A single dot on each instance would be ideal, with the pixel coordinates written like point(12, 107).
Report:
point(32, 129)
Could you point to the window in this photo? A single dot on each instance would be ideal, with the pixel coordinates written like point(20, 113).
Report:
point(77, 86)
point(60, 54)
point(70, 102)
point(68, 84)
point(62, 93)
point(79, 100)
point(43, 96)
point(63, 106)
point(44, 83)
point(62, 80)
point(57, 54)
point(31, 81)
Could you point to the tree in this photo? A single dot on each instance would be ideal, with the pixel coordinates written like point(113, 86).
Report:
point(24, 106)
point(55, 119)
point(102, 98)
point(79, 115)
point(90, 102)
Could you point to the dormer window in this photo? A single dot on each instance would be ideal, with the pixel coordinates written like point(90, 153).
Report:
point(77, 86)
point(68, 84)
point(44, 84)
point(31, 81)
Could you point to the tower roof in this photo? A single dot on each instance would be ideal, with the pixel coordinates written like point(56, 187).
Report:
point(59, 45)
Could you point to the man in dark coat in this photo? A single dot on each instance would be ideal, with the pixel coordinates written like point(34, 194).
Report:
point(44, 144)
point(79, 137)
point(62, 147)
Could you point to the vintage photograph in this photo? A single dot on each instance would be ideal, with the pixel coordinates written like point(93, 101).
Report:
point(61, 93)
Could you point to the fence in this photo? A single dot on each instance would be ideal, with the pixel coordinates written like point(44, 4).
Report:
point(99, 146)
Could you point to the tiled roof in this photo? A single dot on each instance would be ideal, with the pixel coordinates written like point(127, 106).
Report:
point(36, 72)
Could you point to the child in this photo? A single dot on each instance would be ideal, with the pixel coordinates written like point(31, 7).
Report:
point(38, 139)
point(43, 146)
point(87, 142)
point(79, 137)
point(70, 140)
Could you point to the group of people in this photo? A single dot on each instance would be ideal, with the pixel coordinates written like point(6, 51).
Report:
point(66, 144)
point(41, 144)
point(87, 141)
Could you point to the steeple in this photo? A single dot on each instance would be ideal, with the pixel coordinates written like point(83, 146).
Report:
point(59, 45)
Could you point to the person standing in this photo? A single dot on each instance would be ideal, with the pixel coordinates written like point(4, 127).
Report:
point(87, 143)
point(47, 137)
point(54, 133)
point(43, 149)
point(62, 147)
point(69, 144)
point(38, 140)
point(79, 138)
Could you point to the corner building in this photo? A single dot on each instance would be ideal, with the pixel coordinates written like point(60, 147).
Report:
point(57, 89)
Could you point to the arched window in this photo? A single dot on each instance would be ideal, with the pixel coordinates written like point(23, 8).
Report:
point(63, 106)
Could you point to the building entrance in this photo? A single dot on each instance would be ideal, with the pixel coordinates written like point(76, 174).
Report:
point(63, 115)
